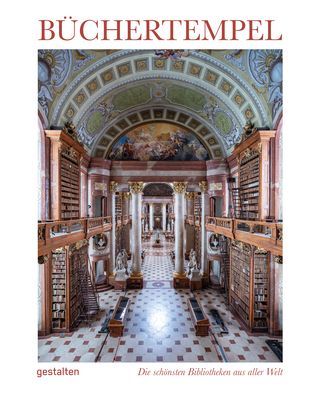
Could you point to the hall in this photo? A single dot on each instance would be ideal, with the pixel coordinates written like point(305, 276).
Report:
point(160, 206)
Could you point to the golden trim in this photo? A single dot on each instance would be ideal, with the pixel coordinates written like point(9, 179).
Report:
point(179, 275)
point(136, 187)
point(113, 186)
point(203, 185)
point(179, 187)
point(189, 195)
point(135, 274)
point(126, 195)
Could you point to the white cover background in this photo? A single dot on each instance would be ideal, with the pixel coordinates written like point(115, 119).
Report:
point(19, 135)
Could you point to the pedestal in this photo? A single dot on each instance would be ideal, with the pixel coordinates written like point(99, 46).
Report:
point(135, 282)
point(180, 281)
point(205, 281)
point(195, 280)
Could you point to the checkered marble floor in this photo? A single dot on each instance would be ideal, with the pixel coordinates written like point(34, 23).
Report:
point(157, 267)
point(237, 345)
point(158, 327)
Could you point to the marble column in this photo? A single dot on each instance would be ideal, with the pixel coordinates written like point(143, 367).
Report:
point(164, 217)
point(189, 228)
point(112, 189)
point(204, 212)
point(136, 196)
point(179, 191)
point(126, 229)
point(151, 217)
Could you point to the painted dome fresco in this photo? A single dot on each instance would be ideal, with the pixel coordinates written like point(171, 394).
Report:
point(159, 141)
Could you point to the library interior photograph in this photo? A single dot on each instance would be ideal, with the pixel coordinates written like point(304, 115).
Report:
point(160, 206)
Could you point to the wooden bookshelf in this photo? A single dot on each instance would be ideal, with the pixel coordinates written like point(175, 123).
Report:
point(250, 189)
point(118, 204)
point(249, 285)
point(67, 298)
point(69, 183)
point(261, 290)
point(253, 155)
point(240, 275)
point(59, 290)
point(75, 298)
point(197, 205)
point(65, 158)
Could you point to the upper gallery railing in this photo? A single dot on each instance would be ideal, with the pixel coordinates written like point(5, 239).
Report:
point(58, 233)
point(259, 233)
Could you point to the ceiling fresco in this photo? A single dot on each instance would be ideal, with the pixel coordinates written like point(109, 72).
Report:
point(158, 142)
point(211, 93)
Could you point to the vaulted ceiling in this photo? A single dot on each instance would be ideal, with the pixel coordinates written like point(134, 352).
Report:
point(108, 93)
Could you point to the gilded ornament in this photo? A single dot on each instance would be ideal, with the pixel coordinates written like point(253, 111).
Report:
point(203, 185)
point(113, 186)
point(260, 251)
point(179, 187)
point(70, 130)
point(136, 187)
point(126, 195)
point(178, 65)
point(78, 245)
point(59, 250)
point(107, 76)
point(189, 195)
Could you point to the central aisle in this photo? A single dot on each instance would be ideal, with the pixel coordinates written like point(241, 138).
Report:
point(159, 326)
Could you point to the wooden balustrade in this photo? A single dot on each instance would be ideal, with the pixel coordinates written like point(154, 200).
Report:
point(54, 234)
point(266, 235)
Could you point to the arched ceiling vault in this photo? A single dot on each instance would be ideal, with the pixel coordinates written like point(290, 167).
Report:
point(212, 93)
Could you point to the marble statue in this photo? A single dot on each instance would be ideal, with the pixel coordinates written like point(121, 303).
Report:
point(193, 269)
point(192, 264)
point(125, 260)
point(121, 271)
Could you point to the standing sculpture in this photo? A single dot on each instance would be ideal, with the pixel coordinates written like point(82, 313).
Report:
point(121, 271)
point(192, 264)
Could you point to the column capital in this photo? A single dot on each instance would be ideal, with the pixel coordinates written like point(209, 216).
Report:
point(203, 185)
point(113, 186)
point(179, 187)
point(136, 187)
